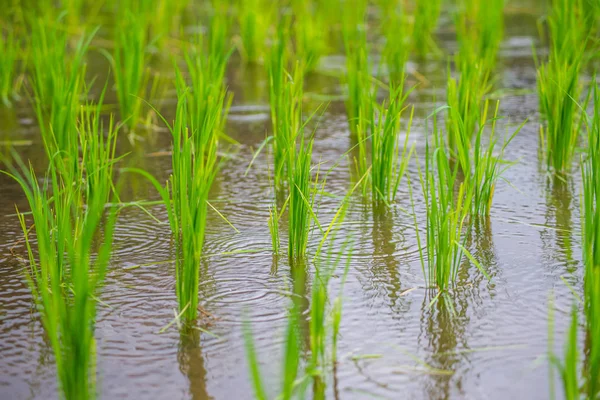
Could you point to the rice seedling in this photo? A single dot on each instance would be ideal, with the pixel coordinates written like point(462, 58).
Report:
point(388, 165)
point(361, 89)
point(590, 212)
point(199, 122)
point(58, 85)
point(446, 218)
point(129, 65)
point(10, 49)
point(398, 30)
point(481, 164)
point(480, 28)
point(285, 100)
point(65, 275)
point(568, 369)
point(426, 15)
point(254, 20)
point(558, 84)
point(308, 32)
point(274, 228)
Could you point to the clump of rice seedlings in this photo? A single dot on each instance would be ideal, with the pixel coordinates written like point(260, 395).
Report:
point(129, 63)
point(361, 89)
point(9, 48)
point(199, 123)
point(558, 84)
point(308, 32)
point(286, 104)
point(590, 211)
point(481, 164)
point(358, 75)
point(426, 15)
point(447, 215)
point(388, 165)
point(63, 273)
point(398, 30)
point(480, 28)
point(254, 20)
point(58, 85)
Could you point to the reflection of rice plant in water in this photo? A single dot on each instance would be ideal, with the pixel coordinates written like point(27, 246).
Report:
point(64, 275)
point(558, 84)
point(10, 50)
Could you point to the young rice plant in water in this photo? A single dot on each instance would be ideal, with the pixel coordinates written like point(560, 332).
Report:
point(66, 275)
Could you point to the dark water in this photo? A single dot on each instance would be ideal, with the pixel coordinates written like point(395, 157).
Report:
point(493, 347)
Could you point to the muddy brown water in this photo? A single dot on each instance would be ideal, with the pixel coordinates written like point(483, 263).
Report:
point(493, 347)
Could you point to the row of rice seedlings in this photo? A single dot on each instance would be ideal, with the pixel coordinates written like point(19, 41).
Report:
point(558, 84)
point(388, 164)
point(426, 15)
point(58, 80)
point(64, 274)
point(254, 20)
point(9, 84)
point(590, 211)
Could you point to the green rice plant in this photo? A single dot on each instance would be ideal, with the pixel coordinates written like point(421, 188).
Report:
point(479, 29)
point(481, 164)
point(129, 64)
point(10, 49)
point(447, 215)
point(590, 212)
point(285, 99)
point(274, 228)
point(254, 18)
point(199, 123)
point(361, 89)
point(426, 15)
point(58, 86)
point(464, 97)
point(388, 165)
point(558, 84)
point(398, 31)
point(309, 26)
point(64, 274)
